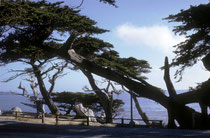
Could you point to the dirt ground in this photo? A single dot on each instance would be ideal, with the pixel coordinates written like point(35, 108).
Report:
point(52, 120)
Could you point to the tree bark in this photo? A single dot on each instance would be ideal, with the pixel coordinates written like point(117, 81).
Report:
point(141, 113)
point(104, 99)
point(169, 84)
point(48, 100)
point(204, 116)
point(172, 94)
point(183, 114)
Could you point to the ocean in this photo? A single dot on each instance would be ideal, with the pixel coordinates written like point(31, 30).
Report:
point(153, 110)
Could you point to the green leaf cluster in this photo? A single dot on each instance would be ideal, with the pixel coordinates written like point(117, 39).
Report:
point(102, 53)
point(73, 97)
point(26, 25)
point(89, 100)
point(124, 66)
point(27, 31)
point(43, 14)
point(195, 24)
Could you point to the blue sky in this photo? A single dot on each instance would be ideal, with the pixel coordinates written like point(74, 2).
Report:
point(136, 29)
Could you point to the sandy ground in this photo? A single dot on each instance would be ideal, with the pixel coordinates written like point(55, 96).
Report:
point(52, 120)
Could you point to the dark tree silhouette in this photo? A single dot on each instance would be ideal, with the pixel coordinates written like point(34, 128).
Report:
point(195, 25)
point(24, 32)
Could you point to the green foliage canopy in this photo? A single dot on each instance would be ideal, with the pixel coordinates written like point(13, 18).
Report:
point(26, 25)
point(195, 24)
point(73, 97)
point(102, 54)
point(27, 29)
point(89, 100)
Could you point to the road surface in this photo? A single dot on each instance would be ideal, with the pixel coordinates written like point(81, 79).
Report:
point(15, 129)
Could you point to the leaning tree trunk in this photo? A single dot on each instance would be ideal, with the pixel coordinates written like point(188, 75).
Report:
point(108, 112)
point(141, 113)
point(182, 113)
point(204, 116)
point(104, 99)
point(172, 95)
point(48, 100)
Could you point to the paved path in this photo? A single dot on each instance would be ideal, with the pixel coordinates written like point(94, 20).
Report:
point(14, 129)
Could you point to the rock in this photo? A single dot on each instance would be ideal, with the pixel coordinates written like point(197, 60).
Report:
point(205, 61)
point(134, 122)
point(16, 109)
point(40, 107)
point(84, 112)
point(103, 115)
point(156, 124)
